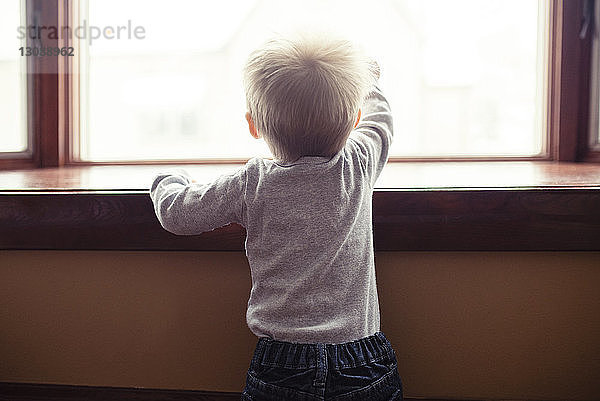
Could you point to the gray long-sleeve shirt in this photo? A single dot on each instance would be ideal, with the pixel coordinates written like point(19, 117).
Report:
point(309, 237)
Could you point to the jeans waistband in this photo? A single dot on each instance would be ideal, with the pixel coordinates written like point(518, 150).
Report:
point(289, 355)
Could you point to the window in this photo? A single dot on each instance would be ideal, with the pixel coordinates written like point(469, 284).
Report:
point(465, 78)
point(13, 132)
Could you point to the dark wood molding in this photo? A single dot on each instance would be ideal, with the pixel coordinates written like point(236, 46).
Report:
point(569, 84)
point(488, 220)
point(583, 110)
point(21, 163)
point(592, 156)
point(61, 392)
point(404, 220)
point(565, 67)
point(418, 206)
point(589, 148)
point(43, 82)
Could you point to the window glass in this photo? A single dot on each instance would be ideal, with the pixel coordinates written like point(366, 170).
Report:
point(464, 77)
point(13, 136)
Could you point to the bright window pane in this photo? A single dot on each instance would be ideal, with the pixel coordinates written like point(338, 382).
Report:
point(13, 137)
point(464, 77)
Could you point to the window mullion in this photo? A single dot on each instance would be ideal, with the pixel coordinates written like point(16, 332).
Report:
point(43, 79)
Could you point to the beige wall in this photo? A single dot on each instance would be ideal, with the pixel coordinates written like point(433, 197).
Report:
point(470, 325)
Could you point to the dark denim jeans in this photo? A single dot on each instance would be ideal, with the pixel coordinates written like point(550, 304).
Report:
point(362, 370)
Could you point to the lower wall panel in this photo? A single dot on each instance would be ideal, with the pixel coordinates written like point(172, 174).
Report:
point(465, 325)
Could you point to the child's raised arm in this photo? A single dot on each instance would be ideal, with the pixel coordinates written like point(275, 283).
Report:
point(187, 208)
point(374, 132)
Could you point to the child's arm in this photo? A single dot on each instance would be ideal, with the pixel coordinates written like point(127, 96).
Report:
point(186, 208)
point(374, 132)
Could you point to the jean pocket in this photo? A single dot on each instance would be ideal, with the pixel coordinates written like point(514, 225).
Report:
point(346, 380)
point(286, 381)
point(387, 387)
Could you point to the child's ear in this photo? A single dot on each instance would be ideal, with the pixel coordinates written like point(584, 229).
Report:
point(357, 119)
point(252, 127)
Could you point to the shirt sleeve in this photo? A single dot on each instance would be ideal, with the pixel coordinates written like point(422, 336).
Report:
point(187, 208)
point(374, 133)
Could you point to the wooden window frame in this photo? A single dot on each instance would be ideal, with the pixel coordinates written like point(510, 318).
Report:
point(53, 105)
point(570, 81)
point(47, 96)
point(551, 207)
point(590, 140)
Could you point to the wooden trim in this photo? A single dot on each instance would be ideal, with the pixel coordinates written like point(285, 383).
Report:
point(405, 176)
point(585, 69)
point(589, 142)
point(47, 94)
point(553, 117)
point(556, 219)
point(565, 78)
point(44, 79)
point(592, 156)
point(487, 220)
point(65, 77)
point(63, 392)
point(13, 164)
point(46, 120)
point(570, 83)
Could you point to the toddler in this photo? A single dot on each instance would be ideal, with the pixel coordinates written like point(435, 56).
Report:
point(308, 219)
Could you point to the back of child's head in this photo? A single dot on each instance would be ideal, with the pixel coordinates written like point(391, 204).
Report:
point(304, 93)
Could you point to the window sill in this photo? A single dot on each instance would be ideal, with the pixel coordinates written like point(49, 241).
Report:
point(417, 206)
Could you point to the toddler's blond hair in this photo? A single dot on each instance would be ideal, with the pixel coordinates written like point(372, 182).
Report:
point(304, 93)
